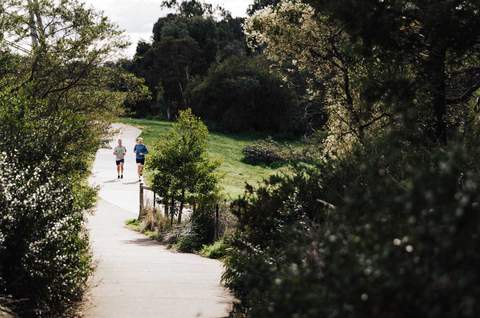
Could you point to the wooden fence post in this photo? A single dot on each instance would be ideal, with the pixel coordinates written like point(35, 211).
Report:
point(140, 213)
point(216, 234)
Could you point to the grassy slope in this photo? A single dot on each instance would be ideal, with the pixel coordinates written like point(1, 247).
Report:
point(225, 147)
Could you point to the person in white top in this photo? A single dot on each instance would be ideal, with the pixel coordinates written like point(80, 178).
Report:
point(119, 152)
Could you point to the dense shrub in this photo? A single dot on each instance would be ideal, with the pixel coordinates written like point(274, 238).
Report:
point(44, 255)
point(216, 250)
point(200, 228)
point(266, 152)
point(188, 240)
point(389, 231)
point(189, 236)
point(272, 153)
point(241, 94)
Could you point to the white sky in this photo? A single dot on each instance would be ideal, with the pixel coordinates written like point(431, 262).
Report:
point(137, 17)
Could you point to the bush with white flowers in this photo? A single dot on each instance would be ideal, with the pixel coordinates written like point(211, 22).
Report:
point(44, 256)
point(44, 251)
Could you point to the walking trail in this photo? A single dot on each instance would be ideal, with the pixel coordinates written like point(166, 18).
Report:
point(135, 276)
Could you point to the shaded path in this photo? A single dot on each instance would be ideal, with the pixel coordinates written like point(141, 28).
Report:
point(136, 277)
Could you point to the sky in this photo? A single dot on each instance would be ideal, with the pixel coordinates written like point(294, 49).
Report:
point(137, 17)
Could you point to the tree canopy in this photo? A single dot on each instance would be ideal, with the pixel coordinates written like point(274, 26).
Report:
point(185, 44)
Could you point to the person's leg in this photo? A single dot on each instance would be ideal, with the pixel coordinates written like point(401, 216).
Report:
point(118, 169)
point(139, 166)
point(122, 169)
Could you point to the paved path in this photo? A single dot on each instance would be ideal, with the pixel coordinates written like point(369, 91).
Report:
point(136, 277)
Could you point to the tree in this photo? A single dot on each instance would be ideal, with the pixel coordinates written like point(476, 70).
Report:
point(55, 108)
point(432, 39)
point(185, 44)
point(67, 69)
point(136, 94)
point(321, 62)
point(241, 94)
point(260, 4)
point(390, 224)
point(182, 171)
point(189, 8)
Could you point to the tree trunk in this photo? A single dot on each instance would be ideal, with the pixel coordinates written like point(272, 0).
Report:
point(32, 25)
point(180, 211)
point(172, 210)
point(437, 78)
point(37, 30)
point(165, 203)
point(350, 105)
point(179, 221)
point(40, 27)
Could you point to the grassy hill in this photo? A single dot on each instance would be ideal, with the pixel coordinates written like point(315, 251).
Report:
point(225, 147)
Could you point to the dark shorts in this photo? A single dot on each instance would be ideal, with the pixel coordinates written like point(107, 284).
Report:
point(120, 161)
point(141, 161)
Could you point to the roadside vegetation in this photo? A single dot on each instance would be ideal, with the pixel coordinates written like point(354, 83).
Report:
point(56, 106)
point(186, 181)
point(364, 204)
point(378, 213)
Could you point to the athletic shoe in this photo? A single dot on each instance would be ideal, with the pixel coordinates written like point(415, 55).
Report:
point(121, 177)
point(118, 176)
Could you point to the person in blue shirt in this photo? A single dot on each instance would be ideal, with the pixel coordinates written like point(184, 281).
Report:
point(140, 151)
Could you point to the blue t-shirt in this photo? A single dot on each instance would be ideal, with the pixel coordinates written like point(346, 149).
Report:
point(140, 150)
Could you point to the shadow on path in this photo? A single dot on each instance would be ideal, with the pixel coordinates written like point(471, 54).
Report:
point(144, 242)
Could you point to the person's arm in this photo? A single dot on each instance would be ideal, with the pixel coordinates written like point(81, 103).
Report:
point(146, 149)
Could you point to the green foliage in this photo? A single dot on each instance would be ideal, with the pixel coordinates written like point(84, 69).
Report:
point(199, 230)
point(272, 153)
point(267, 152)
point(427, 41)
point(260, 4)
point(385, 224)
point(187, 241)
point(241, 94)
point(181, 169)
point(154, 225)
point(55, 107)
point(392, 224)
point(183, 173)
point(44, 250)
point(137, 95)
point(133, 222)
point(216, 250)
point(185, 44)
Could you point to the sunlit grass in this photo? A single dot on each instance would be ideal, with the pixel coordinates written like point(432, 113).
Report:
point(224, 147)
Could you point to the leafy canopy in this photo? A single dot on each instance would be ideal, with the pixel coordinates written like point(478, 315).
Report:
point(181, 168)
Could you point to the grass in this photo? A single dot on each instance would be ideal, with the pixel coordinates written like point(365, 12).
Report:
point(216, 250)
point(136, 225)
point(225, 147)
